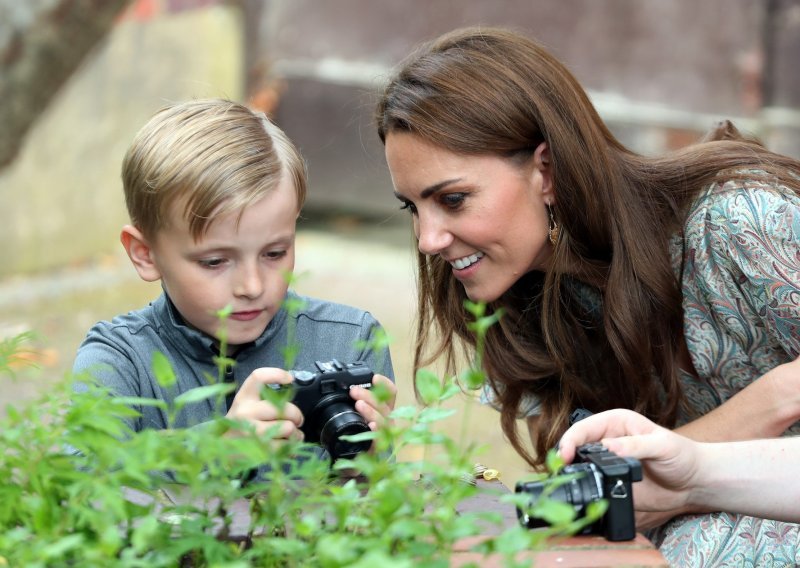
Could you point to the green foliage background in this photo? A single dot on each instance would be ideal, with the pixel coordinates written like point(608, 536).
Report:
point(80, 489)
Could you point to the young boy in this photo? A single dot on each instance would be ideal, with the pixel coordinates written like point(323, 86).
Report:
point(213, 191)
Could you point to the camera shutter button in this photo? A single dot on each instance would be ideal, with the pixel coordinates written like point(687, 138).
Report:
point(303, 378)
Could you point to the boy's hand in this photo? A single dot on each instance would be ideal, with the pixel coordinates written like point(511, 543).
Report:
point(248, 406)
point(367, 406)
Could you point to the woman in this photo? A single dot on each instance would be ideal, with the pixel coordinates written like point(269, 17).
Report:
point(664, 285)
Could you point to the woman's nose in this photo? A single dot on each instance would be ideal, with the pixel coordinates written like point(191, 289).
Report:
point(433, 236)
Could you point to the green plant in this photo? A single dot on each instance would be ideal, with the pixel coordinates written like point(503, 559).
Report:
point(80, 489)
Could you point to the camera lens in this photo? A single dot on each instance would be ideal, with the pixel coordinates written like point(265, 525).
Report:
point(341, 419)
point(585, 488)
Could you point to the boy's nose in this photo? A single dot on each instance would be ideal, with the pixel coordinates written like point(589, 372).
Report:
point(432, 235)
point(249, 283)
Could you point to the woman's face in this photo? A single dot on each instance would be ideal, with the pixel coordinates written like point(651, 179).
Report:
point(485, 215)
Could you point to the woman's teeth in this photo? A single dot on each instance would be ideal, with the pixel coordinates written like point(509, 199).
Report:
point(462, 263)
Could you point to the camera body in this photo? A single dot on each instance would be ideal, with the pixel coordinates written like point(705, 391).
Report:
point(329, 413)
point(600, 474)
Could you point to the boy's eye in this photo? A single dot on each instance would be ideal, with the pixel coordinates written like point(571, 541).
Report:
point(211, 262)
point(275, 254)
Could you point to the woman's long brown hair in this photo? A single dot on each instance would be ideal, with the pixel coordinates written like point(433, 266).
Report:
point(493, 91)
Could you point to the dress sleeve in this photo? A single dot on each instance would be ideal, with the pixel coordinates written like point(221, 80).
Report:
point(530, 405)
point(754, 233)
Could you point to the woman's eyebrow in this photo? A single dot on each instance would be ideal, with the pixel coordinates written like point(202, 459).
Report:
point(428, 191)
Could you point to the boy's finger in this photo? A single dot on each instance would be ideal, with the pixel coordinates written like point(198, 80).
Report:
point(251, 388)
point(367, 398)
point(266, 411)
point(386, 383)
point(368, 412)
point(368, 395)
point(281, 429)
point(374, 417)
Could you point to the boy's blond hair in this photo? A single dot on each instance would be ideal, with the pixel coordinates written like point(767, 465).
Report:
point(214, 156)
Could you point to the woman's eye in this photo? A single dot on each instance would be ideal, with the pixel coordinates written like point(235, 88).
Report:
point(275, 254)
point(410, 206)
point(453, 200)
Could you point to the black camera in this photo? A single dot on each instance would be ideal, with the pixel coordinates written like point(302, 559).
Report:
point(324, 399)
point(599, 474)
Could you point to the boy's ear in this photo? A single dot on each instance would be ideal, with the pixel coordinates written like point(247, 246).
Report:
point(140, 253)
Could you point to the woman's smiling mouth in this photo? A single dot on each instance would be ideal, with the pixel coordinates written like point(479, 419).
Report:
point(464, 262)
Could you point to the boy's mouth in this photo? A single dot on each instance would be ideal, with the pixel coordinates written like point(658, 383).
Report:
point(245, 316)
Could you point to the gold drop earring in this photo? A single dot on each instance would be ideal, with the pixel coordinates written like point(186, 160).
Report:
point(553, 230)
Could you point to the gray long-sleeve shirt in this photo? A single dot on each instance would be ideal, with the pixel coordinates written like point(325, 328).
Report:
point(119, 353)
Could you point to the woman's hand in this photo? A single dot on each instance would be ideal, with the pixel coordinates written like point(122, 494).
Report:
point(669, 461)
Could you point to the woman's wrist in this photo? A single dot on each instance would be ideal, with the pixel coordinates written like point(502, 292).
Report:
point(707, 478)
point(784, 382)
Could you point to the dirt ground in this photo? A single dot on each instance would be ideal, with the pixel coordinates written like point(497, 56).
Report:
point(369, 265)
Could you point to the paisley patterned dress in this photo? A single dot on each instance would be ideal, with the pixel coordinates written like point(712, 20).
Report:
point(738, 261)
point(740, 277)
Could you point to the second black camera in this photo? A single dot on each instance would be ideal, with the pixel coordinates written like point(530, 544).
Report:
point(598, 474)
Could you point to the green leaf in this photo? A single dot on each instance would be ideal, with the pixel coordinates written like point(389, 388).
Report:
point(139, 401)
point(403, 413)
point(285, 547)
point(63, 545)
point(145, 533)
point(553, 512)
point(162, 369)
point(404, 529)
point(379, 341)
point(596, 509)
point(202, 393)
point(450, 389)
point(553, 461)
point(277, 397)
point(337, 550)
point(380, 558)
point(381, 392)
point(290, 353)
point(477, 309)
point(225, 312)
point(429, 386)
point(482, 325)
point(434, 414)
point(513, 540)
point(472, 378)
point(294, 305)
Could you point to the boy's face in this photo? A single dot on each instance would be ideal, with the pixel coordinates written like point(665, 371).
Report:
point(245, 265)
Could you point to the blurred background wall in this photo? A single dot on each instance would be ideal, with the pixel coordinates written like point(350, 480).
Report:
point(660, 72)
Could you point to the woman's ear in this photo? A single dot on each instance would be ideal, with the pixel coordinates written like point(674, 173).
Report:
point(543, 168)
point(140, 253)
